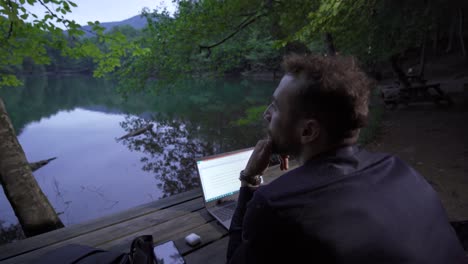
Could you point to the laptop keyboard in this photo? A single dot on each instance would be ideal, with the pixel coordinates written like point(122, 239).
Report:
point(225, 212)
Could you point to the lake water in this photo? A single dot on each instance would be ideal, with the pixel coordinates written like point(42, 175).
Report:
point(78, 120)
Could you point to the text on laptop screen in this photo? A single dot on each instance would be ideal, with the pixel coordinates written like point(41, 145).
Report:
point(220, 175)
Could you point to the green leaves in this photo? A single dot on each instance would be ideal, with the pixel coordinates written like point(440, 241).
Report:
point(252, 116)
point(9, 80)
point(173, 45)
point(212, 37)
point(27, 40)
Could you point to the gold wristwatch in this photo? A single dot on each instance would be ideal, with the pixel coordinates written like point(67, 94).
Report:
point(255, 180)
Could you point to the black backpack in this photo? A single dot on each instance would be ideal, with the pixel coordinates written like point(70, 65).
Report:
point(141, 252)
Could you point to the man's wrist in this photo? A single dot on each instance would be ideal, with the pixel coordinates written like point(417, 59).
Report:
point(249, 180)
point(246, 184)
point(247, 173)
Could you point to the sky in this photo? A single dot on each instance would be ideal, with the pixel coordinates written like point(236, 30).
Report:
point(110, 10)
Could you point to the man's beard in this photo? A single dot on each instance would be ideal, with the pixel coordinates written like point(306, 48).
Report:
point(283, 147)
point(277, 146)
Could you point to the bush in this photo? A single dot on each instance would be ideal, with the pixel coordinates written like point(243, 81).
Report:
point(10, 233)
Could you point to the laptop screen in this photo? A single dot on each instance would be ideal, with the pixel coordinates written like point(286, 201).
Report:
point(219, 174)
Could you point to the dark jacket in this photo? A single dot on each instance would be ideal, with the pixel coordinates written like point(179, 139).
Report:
point(348, 206)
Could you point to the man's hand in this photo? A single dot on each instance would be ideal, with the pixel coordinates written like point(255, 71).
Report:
point(258, 162)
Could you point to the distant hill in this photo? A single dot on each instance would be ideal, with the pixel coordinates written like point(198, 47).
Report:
point(137, 22)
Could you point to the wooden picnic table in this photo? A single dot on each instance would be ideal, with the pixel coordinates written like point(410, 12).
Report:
point(171, 218)
point(419, 91)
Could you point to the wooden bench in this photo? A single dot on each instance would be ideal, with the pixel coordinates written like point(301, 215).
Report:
point(425, 92)
point(419, 91)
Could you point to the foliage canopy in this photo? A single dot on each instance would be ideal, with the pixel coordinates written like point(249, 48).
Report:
point(212, 36)
point(28, 36)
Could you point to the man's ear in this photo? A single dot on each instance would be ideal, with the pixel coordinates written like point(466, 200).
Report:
point(310, 131)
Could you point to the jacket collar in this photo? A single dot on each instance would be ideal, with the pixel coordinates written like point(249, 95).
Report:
point(342, 158)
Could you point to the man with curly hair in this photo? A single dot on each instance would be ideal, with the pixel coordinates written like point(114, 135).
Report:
point(342, 204)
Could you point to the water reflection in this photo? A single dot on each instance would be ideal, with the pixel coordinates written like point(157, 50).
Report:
point(93, 175)
point(169, 150)
point(200, 120)
point(10, 232)
point(43, 97)
point(77, 119)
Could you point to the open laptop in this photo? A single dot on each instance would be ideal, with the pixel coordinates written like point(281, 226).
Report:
point(219, 177)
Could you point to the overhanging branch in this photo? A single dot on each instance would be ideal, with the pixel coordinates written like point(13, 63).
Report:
point(239, 28)
point(53, 14)
point(10, 30)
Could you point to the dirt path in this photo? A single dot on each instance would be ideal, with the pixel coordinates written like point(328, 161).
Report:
point(435, 142)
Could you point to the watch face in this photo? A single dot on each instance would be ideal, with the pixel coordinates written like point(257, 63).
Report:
point(255, 180)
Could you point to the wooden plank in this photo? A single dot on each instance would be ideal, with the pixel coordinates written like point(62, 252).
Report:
point(120, 231)
point(94, 232)
point(163, 232)
point(213, 253)
point(50, 238)
point(208, 233)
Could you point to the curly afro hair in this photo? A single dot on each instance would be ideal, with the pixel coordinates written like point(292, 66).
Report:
point(333, 90)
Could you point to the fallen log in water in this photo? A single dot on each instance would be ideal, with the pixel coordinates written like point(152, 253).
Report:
point(137, 132)
point(39, 164)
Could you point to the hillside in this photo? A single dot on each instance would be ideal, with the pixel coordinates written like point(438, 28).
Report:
point(137, 22)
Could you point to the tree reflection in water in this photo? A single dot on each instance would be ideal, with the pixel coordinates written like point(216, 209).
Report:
point(170, 152)
point(196, 119)
point(10, 233)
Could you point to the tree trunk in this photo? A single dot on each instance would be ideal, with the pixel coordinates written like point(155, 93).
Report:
point(399, 71)
point(331, 50)
point(460, 32)
point(436, 39)
point(422, 62)
point(34, 211)
point(451, 34)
